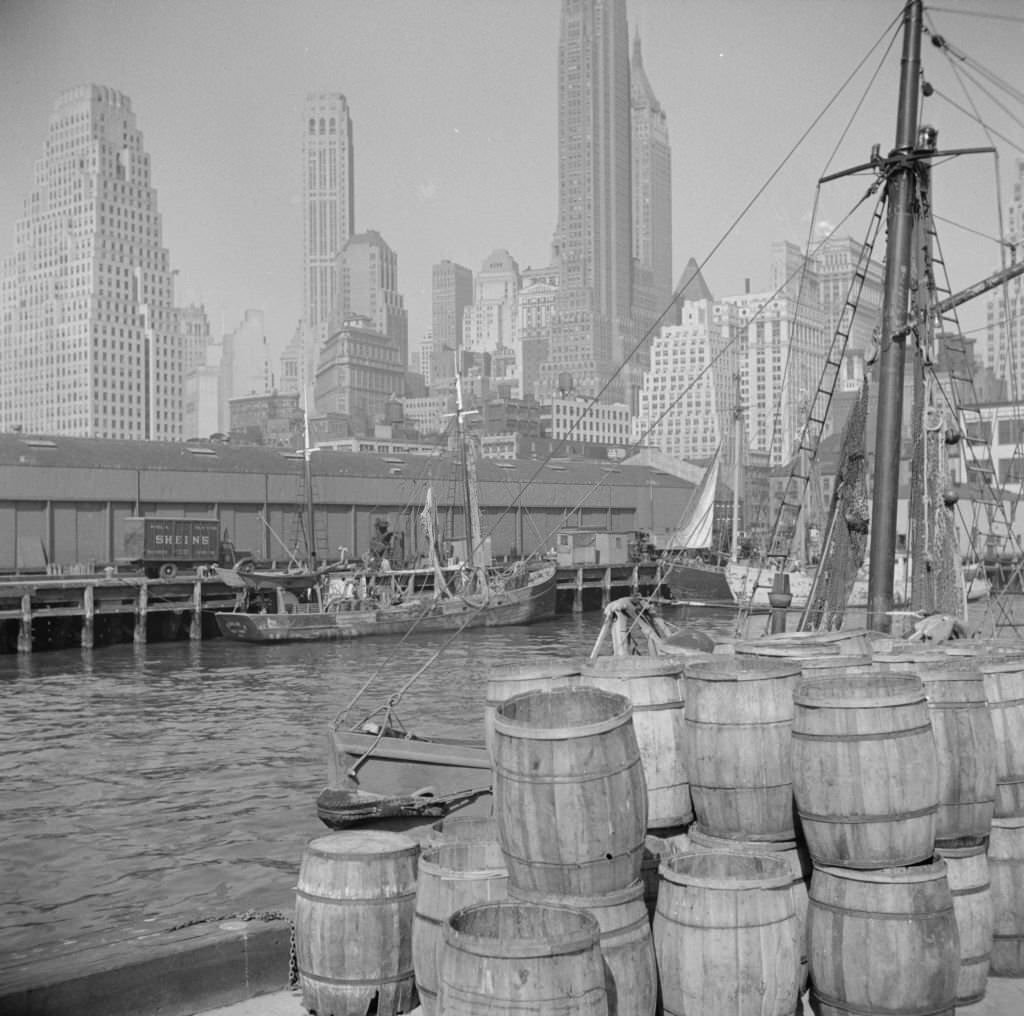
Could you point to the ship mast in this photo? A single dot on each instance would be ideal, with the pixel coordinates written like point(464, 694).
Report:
point(892, 361)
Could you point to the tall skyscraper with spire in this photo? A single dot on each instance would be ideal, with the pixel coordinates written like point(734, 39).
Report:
point(89, 343)
point(328, 200)
point(594, 235)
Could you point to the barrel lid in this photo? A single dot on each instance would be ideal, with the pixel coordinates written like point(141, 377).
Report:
point(363, 843)
point(855, 691)
point(740, 668)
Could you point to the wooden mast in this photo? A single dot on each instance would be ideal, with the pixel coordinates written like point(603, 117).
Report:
point(900, 224)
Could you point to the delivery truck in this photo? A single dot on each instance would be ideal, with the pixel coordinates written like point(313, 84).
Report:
point(162, 545)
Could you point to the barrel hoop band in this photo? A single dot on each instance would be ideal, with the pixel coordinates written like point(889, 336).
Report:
point(889, 735)
point(734, 787)
point(515, 777)
point(759, 724)
point(874, 915)
point(727, 927)
point(844, 1006)
point(1018, 937)
point(858, 819)
point(1006, 703)
point(962, 704)
point(973, 890)
point(1009, 778)
point(535, 862)
point(357, 982)
point(972, 961)
point(655, 707)
point(376, 901)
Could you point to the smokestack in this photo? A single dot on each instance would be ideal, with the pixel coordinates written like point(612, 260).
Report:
point(746, 286)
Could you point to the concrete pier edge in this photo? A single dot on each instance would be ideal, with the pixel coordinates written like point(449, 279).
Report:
point(171, 973)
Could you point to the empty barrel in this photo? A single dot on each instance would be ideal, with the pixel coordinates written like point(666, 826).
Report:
point(882, 942)
point(569, 791)
point(967, 872)
point(515, 679)
point(865, 770)
point(739, 720)
point(1006, 872)
point(725, 935)
point(1004, 688)
point(451, 876)
point(655, 688)
point(514, 958)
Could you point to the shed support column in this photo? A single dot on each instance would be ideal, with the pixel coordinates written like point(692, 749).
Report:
point(195, 628)
point(577, 596)
point(141, 611)
point(25, 627)
point(88, 616)
point(606, 588)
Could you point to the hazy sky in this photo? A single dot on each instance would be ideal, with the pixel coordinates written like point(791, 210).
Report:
point(454, 105)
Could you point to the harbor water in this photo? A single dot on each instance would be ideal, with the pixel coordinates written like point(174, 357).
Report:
point(142, 788)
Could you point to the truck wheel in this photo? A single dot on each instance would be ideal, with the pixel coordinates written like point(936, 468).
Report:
point(168, 570)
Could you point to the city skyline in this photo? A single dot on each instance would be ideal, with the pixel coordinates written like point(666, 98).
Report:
point(454, 109)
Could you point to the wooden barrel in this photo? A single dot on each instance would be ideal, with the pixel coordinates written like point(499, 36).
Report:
point(739, 718)
point(798, 863)
point(1004, 688)
point(626, 944)
point(1006, 871)
point(354, 907)
point(517, 958)
point(462, 829)
point(569, 792)
point(504, 682)
point(882, 942)
point(865, 770)
point(655, 688)
point(451, 876)
point(967, 872)
point(725, 935)
point(965, 743)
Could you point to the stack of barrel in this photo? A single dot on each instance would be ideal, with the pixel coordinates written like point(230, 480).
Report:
point(571, 805)
point(1001, 665)
point(729, 923)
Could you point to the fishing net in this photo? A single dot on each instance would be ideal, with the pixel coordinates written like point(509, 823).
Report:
point(847, 530)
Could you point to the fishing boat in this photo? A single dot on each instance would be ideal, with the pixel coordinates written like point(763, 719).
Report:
point(346, 601)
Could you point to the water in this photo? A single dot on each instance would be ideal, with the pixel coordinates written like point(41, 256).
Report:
point(141, 788)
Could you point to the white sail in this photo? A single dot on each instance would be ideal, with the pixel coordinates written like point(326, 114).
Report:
point(694, 530)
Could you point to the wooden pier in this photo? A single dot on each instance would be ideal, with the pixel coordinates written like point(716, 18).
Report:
point(88, 609)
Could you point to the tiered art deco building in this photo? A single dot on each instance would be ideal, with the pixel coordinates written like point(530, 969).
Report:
point(88, 340)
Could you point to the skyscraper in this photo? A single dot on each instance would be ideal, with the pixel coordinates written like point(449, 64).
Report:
point(89, 344)
point(451, 293)
point(592, 326)
point(328, 199)
point(368, 270)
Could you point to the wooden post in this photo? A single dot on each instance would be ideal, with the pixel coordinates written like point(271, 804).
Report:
point(606, 588)
point(88, 616)
point(25, 628)
point(195, 629)
point(577, 598)
point(141, 611)
point(780, 598)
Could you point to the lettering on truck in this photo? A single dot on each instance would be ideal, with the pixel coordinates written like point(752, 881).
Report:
point(196, 540)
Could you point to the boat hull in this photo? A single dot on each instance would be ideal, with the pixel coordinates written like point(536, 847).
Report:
point(698, 584)
point(446, 774)
point(525, 605)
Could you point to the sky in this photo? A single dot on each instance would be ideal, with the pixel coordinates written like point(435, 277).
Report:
point(454, 107)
